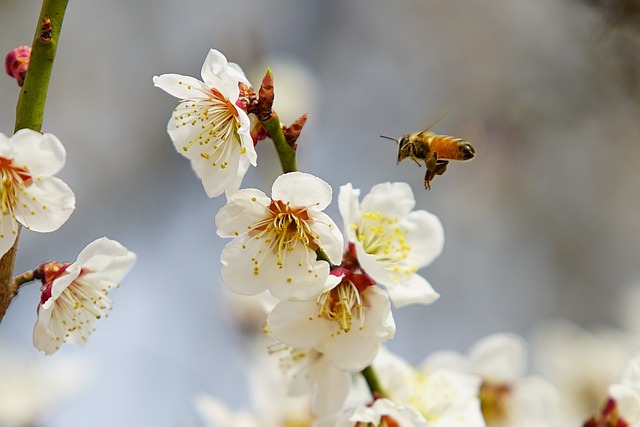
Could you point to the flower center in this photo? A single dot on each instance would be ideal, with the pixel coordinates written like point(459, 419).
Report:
point(14, 179)
point(382, 237)
point(432, 394)
point(341, 304)
point(494, 401)
point(218, 121)
point(83, 298)
point(285, 228)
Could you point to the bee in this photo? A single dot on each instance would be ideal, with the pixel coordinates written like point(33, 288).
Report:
point(434, 150)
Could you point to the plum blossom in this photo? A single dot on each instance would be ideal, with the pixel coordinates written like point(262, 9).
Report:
point(209, 126)
point(75, 295)
point(508, 398)
point(30, 194)
point(442, 397)
point(626, 394)
point(275, 238)
point(392, 241)
point(347, 323)
point(382, 413)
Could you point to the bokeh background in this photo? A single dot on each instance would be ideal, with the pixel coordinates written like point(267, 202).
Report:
point(544, 223)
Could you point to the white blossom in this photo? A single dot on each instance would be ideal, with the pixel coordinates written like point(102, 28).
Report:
point(75, 295)
point(30, 194)
point(392, 240)
point(344, 323)
point(208, 126)
point(275, 238)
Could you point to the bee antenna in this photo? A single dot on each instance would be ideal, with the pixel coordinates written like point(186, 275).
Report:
point(387, 137)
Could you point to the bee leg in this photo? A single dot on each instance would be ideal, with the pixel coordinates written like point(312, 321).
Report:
point(441, 167)
point(432, 166)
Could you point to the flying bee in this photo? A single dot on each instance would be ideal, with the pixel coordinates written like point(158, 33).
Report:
point(434, 150)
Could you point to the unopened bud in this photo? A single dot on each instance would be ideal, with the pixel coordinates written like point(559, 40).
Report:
point(265, 96)
point(16, 63)
point(291, 133)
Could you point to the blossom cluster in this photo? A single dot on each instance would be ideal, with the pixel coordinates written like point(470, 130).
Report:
point(73, 295)
point(329, 290)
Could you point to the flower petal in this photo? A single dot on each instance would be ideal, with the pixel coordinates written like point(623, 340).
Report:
point(416, 290)
point(244, 209)
point(8, 232)
point(316, 193)
point(41, 155)
point(392, 199)
point(182, 87)
point(425, 236)
point(45, 205)
point(330, 240)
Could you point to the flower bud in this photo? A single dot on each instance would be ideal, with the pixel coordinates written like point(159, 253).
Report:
point(291, 133)
point(16, 63)
point(265, 96)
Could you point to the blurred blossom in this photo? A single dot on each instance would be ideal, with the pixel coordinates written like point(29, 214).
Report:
point(508, 398)
point(626, 393)
point(30, 389)
point(443, 397)
point(271, 404)
point(581, 364)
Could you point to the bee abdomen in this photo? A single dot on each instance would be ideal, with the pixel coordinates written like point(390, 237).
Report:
point(449, 147)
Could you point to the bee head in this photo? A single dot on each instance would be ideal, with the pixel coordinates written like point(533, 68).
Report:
point(467, 151)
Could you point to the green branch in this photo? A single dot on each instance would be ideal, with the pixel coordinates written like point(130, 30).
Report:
point(372, 381)
point(30, 110)
point(286, 152)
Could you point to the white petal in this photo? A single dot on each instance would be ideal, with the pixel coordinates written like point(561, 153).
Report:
point(43, 339)
point(302, 189)
point(372, 266)
point(8, 233)
point(628, 401)
point(249, 266)
point(296, 323)
point(106, 260)
point(500, 358)
point(41, 155)
point(416, 290)
point(216, 179)
point(354, 350)
point(425, 236)
point(238, 267)
point(182, 87)
point(333, 386)
point(45, 205)
point(243, 210)
point(349, 209)
point(392, 199)
point(330, 240)
point(217, 74)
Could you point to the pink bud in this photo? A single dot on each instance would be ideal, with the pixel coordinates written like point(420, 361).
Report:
point(16, 63)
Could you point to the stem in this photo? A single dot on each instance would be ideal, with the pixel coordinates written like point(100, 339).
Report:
point(30, 110)
point(372, 381)
point(286, 152)
point(26, 277)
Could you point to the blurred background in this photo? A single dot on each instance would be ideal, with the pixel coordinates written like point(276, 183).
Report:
point(544, 223)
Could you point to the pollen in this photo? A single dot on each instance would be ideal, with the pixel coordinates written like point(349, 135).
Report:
point(382, 237)
point(342, 305)
point(285, 229)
